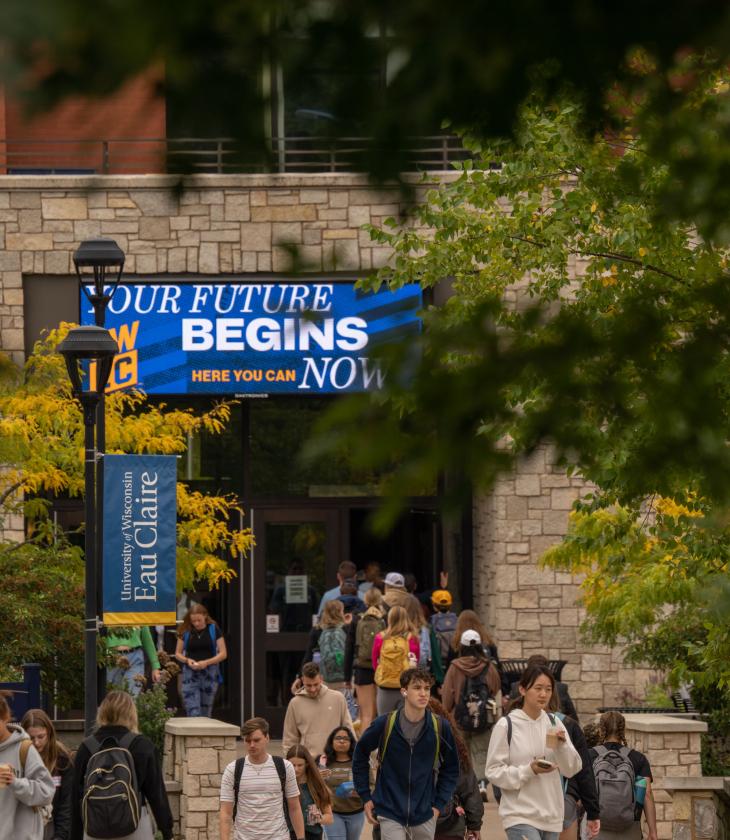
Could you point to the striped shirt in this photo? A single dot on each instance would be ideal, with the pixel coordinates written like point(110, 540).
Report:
point(260, 814)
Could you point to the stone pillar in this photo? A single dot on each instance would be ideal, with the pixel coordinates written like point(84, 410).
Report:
point(672, 745)
point(700, 808)
point(197, 751)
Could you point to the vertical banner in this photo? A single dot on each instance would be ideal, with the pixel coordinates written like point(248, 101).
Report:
point(140, 515)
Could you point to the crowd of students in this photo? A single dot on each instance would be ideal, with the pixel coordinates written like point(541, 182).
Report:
point(551, 779)
point(401, 716)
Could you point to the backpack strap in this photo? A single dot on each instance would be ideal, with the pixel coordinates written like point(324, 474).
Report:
point(126, 741)
point(601, 751)
point(281, 770)
point(237, 773)
point(387, 732)
point(213, 640)
point(186, 641)
point(93, 744)
point(509, 730)
point(436, 722)
point(23, 754)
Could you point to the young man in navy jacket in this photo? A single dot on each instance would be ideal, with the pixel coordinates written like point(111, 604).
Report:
point(419, 765)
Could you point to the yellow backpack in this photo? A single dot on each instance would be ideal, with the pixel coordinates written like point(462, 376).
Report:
point(393, 661)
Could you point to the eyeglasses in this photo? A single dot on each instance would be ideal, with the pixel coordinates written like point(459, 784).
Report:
point(341, 738)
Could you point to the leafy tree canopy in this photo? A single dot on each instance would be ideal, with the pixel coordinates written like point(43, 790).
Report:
point(580, 316)
point(41, 448)
point(392, 71)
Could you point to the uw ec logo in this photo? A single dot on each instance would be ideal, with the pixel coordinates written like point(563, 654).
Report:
point(125, 368)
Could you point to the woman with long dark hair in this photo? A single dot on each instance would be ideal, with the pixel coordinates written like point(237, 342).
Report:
point(200, 648)
point(528, 752)
point(314, 795)
point(465, 813)
point(336, 769)
point(58, 763)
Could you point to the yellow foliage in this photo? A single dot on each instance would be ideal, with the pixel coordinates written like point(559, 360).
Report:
point(42, 446)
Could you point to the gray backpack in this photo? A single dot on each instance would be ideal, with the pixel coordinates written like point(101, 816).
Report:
point(615, 778)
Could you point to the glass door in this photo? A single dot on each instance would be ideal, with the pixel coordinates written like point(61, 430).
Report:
point(294, 557)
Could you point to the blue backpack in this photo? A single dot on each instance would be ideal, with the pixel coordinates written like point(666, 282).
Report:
point(214, 645)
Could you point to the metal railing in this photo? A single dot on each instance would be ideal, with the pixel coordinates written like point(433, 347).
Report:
point(215, 155)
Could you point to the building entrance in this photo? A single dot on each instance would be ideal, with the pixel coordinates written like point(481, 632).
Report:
point(294, 562)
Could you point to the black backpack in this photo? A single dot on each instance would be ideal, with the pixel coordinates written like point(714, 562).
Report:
point(476, 710)
point(110, 804)
point(281, 771)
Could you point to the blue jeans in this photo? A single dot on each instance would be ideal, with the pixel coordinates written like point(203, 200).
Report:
point(529, 832)
point(124, 678)
point(345, 827)
point(198, 690)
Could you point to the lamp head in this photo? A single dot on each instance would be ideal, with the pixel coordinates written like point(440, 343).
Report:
point(100, 261)
point(88, 343)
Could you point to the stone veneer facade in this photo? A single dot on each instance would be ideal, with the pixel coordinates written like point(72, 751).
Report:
point(241, 224)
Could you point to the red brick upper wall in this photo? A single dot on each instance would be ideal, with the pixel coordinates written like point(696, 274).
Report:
point(136, 111)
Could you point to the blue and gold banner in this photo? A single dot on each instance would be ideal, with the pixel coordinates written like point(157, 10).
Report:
point(140, 516)
point(224, 337)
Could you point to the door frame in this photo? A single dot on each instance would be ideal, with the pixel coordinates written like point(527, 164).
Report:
point(256, 642)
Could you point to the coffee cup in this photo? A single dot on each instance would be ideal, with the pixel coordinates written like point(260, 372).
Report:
point(551, 739)
point(3, 782)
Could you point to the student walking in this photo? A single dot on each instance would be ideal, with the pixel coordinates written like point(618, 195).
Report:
point(329, 639)
point(347, 807)
point(314, 796)
point(127, 648)
point(623, 781)
point(429, 653)
point(57, 761)
point(472, 691)
point(259, 792)
point(443, 622)
point(359, 654)
point(201, 648)
point(418, 764)
point(117, 742)
point(313, 713)
point(528, 752)
point(26, 785)
point(464, 815)
point(395, 650)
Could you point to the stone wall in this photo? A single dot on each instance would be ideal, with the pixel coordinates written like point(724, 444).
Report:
point(197, 751)
point(241, 224)
point(688, 805)
point(534, 610)
point(216, 225)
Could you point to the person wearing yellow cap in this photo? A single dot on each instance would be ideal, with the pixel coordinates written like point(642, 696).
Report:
point(443, 622)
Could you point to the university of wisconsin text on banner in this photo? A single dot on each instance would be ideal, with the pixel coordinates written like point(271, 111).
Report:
point(140, 515)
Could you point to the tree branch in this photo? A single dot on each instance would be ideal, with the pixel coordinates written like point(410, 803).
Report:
point(9, 492)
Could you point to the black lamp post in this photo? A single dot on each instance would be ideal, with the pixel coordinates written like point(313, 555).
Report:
point(90, 344)
point(99, 264)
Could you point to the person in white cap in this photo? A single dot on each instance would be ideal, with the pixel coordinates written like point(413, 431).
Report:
point(472, 692)
point(395, 590)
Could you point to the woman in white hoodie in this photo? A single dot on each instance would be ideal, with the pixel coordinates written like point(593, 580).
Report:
point(529, 751)
point(25, 784)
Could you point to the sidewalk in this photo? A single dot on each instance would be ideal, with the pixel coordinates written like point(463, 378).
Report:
point(491, 828)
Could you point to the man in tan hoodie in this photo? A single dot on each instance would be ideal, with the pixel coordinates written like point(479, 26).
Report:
point(313, 713)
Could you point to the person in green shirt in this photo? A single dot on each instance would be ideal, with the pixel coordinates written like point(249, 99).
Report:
point(127, 647)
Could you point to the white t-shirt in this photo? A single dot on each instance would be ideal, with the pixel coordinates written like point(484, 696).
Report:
point(260, 814)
